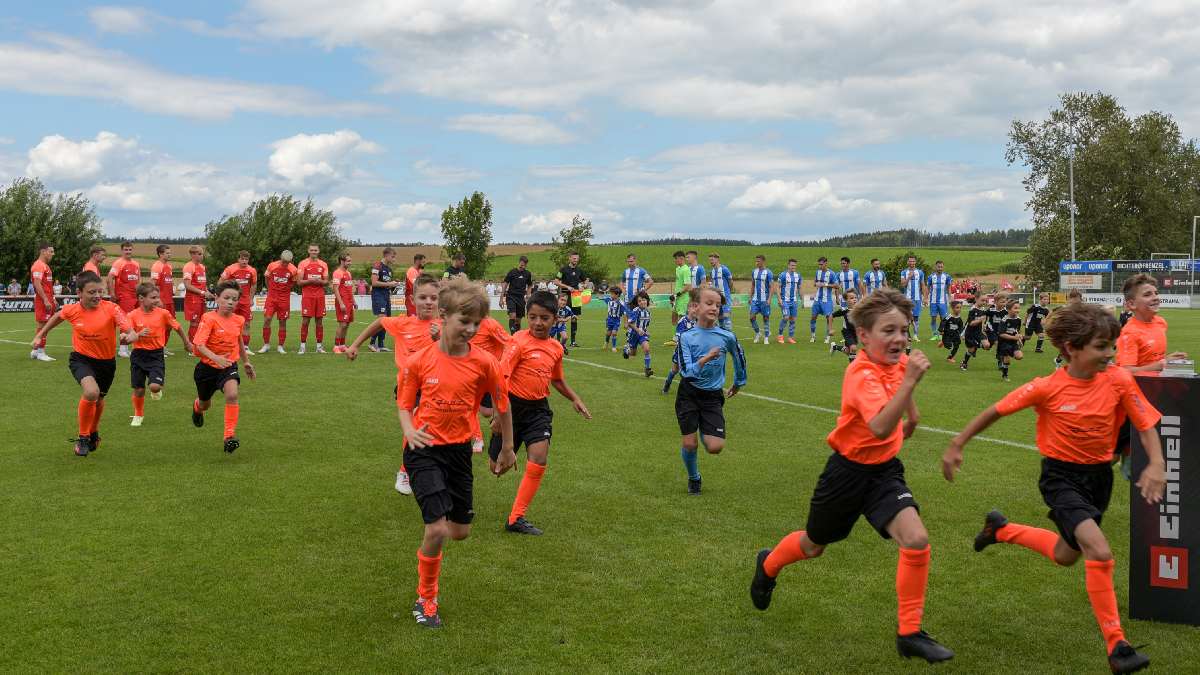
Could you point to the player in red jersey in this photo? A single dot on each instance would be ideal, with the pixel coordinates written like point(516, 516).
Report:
point(95, 257)
point(314, 277)
point(246, 277)
point(449, 379)
point(219, 349)
point(93, 362)
point(123, 279)
point(44, 304)
point(147, 367)
point(195, 290)
point(410, 278)
point(162, 276)
point(281, 278)
point(343, 298)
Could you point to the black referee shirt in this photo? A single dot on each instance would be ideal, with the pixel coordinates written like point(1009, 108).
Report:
point(571, 276)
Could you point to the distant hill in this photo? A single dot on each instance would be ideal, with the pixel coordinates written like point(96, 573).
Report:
point(912, 237)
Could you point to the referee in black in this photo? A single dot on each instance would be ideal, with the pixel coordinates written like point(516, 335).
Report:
point(569, 279)
point(514, 292)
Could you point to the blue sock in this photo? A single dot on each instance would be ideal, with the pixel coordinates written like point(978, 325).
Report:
point(670, 376)
point(690, 463)
point(782, 323)
point(647, 360)
point(791, 328)
point(933, 326)
point(812, 325)
point(754, 325)
point(767, 326)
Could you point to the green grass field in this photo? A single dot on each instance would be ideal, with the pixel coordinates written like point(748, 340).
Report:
point(161, 553)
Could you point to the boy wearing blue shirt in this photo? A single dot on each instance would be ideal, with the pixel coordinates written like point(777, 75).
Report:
point(564, 315)
point(939, 296)
point(912, 282)
point(616, 312)
point(823, 300)
point(788, 294)
point(761, 291)
point(721, 280)
point(686, 323)
point(639, 329)
point(700, 401)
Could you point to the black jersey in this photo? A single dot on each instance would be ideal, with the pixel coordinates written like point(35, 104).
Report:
point(1124, 318)
point(952, 328)
point(848, 330)
point(1035, 314)
point(996, 317)
point(974, 314)
point(518, 281)
point(1010, 326)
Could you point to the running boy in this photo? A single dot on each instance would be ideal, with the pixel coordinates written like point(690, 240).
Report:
point(147, 367)
point(1142, 346)
point(863, 476)
point(639, 329)
point(975, 335)
point(562, 317)
point(449, 378)
point(616, 312)
point(1078, 409)
point(1033, 320)
point(686, 323)
point(700, 400)
point(1009, 342)
point(849, 344)
point(532, 363)
point(93, 361)
point(952, 330)
point(219, 349)
point(789, 301)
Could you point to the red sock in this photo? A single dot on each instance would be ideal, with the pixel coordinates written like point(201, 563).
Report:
point(139, 405)
point(786, 552)
point(303, 334)
point(282, 336)
point(41, 344)
point(529, 487)
point(266, 335)
point(86, 410)
point(320, 333)
point(1104, 600)
point(99, 410)
point(402, 467)
point(1033, 538)
point(428, 570)
point(231, 419)
point(912, 575)
point(192, 331)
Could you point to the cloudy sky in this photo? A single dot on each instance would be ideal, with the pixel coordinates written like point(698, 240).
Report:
point(652, 118)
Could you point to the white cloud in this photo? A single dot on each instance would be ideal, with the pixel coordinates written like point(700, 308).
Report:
point(114, 19)
point(345, 206)
point(57, 159)
point(416, 218)
point(317, 161)
point(794, 196)
point(435, 174)
point(525, 129)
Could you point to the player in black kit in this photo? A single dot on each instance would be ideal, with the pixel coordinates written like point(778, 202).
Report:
point(1033, 320)
point(1009, 333)
point(952, 330)
point(849, 344)
point(975, 335)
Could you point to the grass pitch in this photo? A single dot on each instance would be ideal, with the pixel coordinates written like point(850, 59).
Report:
point(162, 553)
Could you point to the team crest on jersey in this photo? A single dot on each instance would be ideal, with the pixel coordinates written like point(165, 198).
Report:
point(1069, 407)
point(431, 380)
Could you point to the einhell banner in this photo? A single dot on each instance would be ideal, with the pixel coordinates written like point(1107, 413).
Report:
point(1164, 539)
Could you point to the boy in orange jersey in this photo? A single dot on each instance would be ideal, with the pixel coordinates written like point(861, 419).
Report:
point(313, 278)
point(195, 290)
point(93, 362)
point(219, 348)
point(863, 475)
point(1142, 347)
point(95, 257)
point(449, 378)
point(532, 363)
point(281, 277)
point(1078, 410)
point(246, 278)
point(44, 304)
point(343, 299)
point(492, 338)
point(153, 324)
point(162, 276)
point(123, 279)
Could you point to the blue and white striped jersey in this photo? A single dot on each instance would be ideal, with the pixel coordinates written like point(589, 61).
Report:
point(639, 317)
point(874, 280)
point(633, 280)
point(760, 281)
point(616, 309)
point(824, 277)
point(721, 280)
point(789, 286)
point(848, 280)
point(939, 288)
point(697, 276)
point(915, 278)
point(685, 324)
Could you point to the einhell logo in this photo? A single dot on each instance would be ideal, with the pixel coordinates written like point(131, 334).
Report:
point(1169, 564)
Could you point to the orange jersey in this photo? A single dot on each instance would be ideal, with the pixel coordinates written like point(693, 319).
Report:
point(194, 275)
point(157, 320)
point(40, 275)
point(91, 266)
point(529, 364)
point(451, 388)
point(1142, 342)
point(343, 286)
point(411, 335)
point(281, 278)
point(313, 270)
point(161, 276)
point(866, 388)
point(491, 337)
point(246, 278)
point(1078, 419)
point(126, 275)
point(94, 331)
point(221, 334)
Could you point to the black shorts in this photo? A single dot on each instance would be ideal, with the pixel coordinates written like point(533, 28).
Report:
point(973, 340)
point(147, 366)
point(991, 338)
point(1075, 493)
point(532, 421)
point(700, 409)
point(1007, 348)
point(486, 401)
point(101, 370)
point(950, 341)
point(515, 304)
point(1124, 438)
point(1035, 327)
point(210, 380)
point(442, 482)
point(847, 490)
point(850, 337)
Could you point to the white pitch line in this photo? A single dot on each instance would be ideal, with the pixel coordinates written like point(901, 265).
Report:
point(817, 408)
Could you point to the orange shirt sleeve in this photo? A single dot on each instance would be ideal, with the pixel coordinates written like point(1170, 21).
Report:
point(204, 331)
point(494, 383)
point(70, 312)
point(169, 319)
point(1142, 414)
point(1128, 346)
point(1029, 394)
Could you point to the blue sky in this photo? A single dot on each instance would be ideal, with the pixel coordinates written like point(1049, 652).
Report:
point(723, 118)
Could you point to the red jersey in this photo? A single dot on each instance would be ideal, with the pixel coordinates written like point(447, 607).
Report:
point(126, 275)
point(411, 335)
point(866, 388)
point(530, 363)
point(221, 334)
point(491, 337)
point(1078, 419)
point(40, 275)
point(313, 270)
point(91, 266)
point(94, 331)
point(410, 277)
point(451, 388)
point(1142, 342)
point(161, 276)
point(281, 278)
point(343, 286)
point(194, 275)
point(157, 320)
point(246, 278)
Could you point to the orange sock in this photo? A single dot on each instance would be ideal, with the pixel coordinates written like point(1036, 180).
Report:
point(1104, 600)
point(529, 487)
point(786, 552)
point(196, 406)
point(99, 410)
point(86, 410)
point(912, 575)
point(231, 417)
point(402, 467)
point(428, 570)
point(1033, 538)
point(139, 405)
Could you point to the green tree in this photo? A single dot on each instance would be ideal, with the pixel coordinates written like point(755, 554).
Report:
point(1137, 183)
point(267, 227)
point(575, 239)
point(30, 214)
point(896, 265)
point(467, 229)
